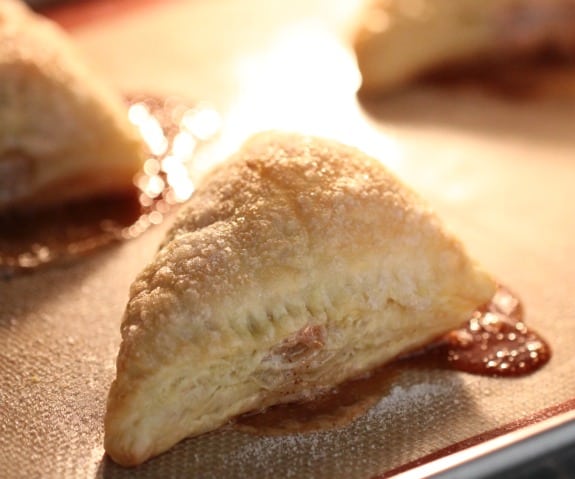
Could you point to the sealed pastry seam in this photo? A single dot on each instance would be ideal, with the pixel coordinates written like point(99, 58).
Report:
point(296, 265)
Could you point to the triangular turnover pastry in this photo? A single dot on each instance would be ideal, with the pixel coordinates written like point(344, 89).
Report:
point(64, 133)
point(398, 41)
point(297, 264)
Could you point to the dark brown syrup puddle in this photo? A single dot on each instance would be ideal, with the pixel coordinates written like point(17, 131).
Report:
point(173, 131)
point(494, 342)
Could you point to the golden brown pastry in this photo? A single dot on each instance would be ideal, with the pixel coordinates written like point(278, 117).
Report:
point(296, 265)
point(63, 132)
point(399, 41)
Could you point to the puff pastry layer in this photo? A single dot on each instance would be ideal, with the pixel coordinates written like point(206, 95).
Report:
point(64, 133)
point(398, 41)
point(296, 265)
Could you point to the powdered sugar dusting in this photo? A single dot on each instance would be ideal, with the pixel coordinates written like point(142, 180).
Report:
point(401, 400)
point(365, 439)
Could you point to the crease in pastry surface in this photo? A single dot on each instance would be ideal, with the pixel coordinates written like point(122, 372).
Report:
point(399, 41)
point(296, 265)
point(65, 133)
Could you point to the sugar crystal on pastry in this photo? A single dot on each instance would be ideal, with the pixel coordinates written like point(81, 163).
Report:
point(297, 264)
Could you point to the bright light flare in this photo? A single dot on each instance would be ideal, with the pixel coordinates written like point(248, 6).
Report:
point(149, 128)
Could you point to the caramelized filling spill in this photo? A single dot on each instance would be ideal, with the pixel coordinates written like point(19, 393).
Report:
point(173, 131)
point(494, 342)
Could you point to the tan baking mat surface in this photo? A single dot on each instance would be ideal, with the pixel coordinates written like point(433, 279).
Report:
point(501, 173)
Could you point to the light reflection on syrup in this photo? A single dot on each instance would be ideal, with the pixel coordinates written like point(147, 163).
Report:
point(496, 341)
point(174, 131)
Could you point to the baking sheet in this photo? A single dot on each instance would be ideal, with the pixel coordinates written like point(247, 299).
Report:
point(500, 172)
